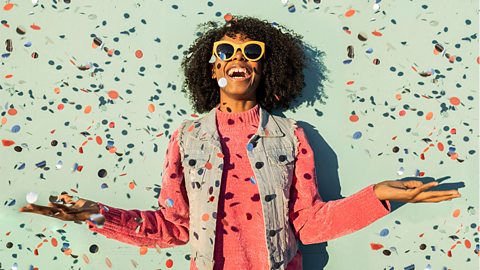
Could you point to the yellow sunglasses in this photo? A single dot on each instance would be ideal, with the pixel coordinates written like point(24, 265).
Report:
point(251, 50)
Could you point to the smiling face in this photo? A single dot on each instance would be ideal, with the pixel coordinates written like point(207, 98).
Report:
point(242, 76)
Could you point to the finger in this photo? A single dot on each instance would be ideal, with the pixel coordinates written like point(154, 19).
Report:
point(65, 198)
point(439, 199)
point(433, 194)
point(59, 206)
point(412, 183)
point(425, 187)
point(38, 209)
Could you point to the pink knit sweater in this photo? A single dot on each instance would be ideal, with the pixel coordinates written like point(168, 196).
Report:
point(240, 239)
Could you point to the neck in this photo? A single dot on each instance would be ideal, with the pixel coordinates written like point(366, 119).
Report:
point(235, 106)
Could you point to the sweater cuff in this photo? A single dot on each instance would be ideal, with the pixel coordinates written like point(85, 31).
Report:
point(379, 206)
point(113, 220)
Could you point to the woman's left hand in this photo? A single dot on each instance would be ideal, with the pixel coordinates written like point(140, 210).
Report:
point(412, 192)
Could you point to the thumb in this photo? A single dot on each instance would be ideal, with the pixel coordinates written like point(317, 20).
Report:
point(425, 187)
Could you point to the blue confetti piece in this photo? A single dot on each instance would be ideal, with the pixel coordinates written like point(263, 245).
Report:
point(15, 129)
point(250, 147)
point(369, 50)
point(110, 143)
point(41, 164)
point(291, 8)
point(21, 167)
point(169, 202)
point(357, 135)
point(5, 55)
point(11, 202)
point(27, 44)
point(410, 267)
point(104, 185)
point(451, 150)
point(253, 181)
point(384, 232)
point(348, 61)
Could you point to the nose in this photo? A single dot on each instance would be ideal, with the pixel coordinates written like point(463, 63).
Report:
point(239, 55)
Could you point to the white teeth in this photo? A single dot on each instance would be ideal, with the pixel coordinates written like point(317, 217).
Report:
point(232, 70)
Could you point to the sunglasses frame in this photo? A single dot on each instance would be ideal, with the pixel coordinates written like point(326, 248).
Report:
point(240, 46)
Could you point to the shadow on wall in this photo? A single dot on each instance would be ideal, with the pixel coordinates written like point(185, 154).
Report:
point(315, 256)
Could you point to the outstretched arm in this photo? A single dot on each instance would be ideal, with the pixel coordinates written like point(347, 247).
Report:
point(316, 221)
point(168, 226)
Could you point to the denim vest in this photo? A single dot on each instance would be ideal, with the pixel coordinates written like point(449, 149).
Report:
point(271, 152)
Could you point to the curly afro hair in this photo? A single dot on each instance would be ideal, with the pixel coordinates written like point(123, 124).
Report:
point(282, 71)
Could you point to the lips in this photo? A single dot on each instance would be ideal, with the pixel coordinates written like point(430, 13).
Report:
point(239, 72)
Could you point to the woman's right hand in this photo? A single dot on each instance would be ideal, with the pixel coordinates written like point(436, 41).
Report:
point(70, 209)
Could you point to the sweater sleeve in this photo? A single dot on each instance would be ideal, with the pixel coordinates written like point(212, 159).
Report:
point(166, 227)
point(316, 221)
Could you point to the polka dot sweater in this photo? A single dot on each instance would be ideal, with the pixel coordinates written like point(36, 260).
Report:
point(240, 233)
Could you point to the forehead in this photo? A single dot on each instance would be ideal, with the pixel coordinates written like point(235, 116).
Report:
point(238, 38)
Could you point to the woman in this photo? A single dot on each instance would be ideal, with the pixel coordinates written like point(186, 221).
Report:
point(239, 184)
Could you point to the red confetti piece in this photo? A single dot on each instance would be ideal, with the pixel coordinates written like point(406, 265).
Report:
point(60, 106)
point(108, 262)
point(79, 168)
point(467, 243)
point(377, 34)
point(456, 213)
point(131, 185)
point(453, 131)
point(35, 27)
point(208, 166)
point(353, 118)
point(220, 155)
point(402, 113)
point(111, 124)
point(54, 242)
point(228, 17)
point(138, 54)
point(422, 156)
point(88, 109)
point(454, 101)
point(349, 13)
point(350, 82)
point(85, 258)
point(205, 217)
point(429, 116)
point(143, 250)
point(7, 142)
point(151, 107)
point(169, 263)
point(98, 139)
point(12, 111)
point(440, 146)
point(375, 246)
point(8, 6)
point(113, 94)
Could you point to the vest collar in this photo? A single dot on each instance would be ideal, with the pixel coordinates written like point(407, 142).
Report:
point(206, 127)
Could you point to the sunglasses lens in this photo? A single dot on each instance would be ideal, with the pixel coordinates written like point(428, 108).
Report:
point(224, 51)
point(253, 51)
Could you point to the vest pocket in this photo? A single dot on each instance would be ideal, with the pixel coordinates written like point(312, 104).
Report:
point(282, 165)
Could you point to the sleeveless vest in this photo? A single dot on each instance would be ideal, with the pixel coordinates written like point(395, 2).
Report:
point(271, 152)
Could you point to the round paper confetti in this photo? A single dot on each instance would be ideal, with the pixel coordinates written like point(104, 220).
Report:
point(357, 135)
point(32, 197)
point(222, 82)
point(169, 202)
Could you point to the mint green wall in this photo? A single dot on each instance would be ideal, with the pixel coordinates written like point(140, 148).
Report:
point(163, 32)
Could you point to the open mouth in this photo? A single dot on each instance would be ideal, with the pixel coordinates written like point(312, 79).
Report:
point(239, 73)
